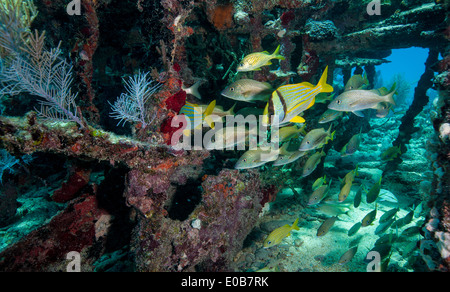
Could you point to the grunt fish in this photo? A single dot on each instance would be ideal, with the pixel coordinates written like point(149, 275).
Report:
point(391, 153)
point(388, 215)
point(352, 145)
point(374, 191)
point(258, 157)
point(312, 163)
point(289, 101)
point(355, 228)
point(348, 255)
point(326, 226)
point(255, 61)
point(358, 196)
point(345, 191)
point(288, 133)
point(332, 210)
point(369, 218)
point(324, 97)
point(329, 116)
point(316, 138)
point(384, 226)
point(356, 101)
point(318, 182)
point(248, 90)
point(356, 82)
point(276, 236)
point(318, 194)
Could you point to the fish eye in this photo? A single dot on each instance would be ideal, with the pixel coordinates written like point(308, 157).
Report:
point(339, 101)
point(241, 64)
point(269, 242)
point(244, 160)
point(307, 142)
point(231, 88)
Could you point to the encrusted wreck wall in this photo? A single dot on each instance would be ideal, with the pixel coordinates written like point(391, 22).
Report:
point(179, 42)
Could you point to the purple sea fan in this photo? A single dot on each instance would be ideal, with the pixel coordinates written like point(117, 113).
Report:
point(130, 106)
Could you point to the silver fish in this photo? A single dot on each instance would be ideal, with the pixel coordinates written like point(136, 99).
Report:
point(248, 90)
point(348, 255)
point(356, 101)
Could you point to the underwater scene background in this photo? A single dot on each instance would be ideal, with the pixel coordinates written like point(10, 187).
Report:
point(112, 159)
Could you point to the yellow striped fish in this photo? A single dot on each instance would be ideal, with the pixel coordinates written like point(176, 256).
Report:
point(197, 116)
point(276, 236)
point(288, 101)
point(255, 61)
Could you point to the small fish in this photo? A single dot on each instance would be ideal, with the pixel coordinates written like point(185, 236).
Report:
point(289, 101)
point(329, 116)
point(228, 138)
point(193, 90)
point(332, 210)
point(311, 163)
point(411, 231)
point(318, 194)
point(316, 138)
point(352, 145)
point(348, 255)
point(318, 182)
point(345, 191)
point(258, 157)
point(288, 133)
point(391, 153)
point(324, 97)
point(356, 101)
point(369, 218)
point(404, 220)
point(326, 226)
point(196, 115)
point(354, 229)
point(255, 61)
point(269, 269)
point(384, 109)
point(386, 239)
point(388, 215)
point(350, 177)
point(418, 210)
point(374, 191)
point(276, 236)
point(358, 196)
point(288, 158)
point(384, 226)
point(356, 82)
point(248, 90)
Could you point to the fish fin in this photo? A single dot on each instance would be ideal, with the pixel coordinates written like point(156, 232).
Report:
point(332, 135)
point(295, 226)
point(307, 84)
point(359, 113)
point(193, 90)
point(265, 52)
point(284, 148)
point(297, 119)
point(323, 82)
point(267, 84)
point(230, 112)
point(276, 54)
point(265, 119)
point(208, 112)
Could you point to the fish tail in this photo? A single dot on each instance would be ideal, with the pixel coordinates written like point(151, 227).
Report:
point(194, 89)
point(323, 82)
point(277, 55)
point(230, 112)
point(208, 112)
point(295, 226)
point(390, 97)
